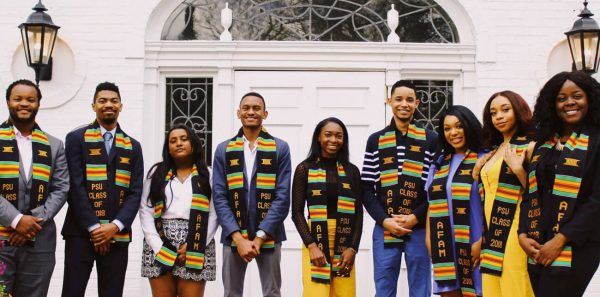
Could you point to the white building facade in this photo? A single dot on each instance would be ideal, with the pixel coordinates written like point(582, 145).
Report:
point(171, 66)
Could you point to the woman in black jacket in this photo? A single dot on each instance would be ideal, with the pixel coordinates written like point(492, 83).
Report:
point(559, 228)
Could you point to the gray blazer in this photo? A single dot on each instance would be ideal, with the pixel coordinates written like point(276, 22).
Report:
point(57, 196)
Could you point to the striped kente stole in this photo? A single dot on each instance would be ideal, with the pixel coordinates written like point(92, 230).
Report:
point(96, 174)
point(316, 199)
point(266, 179)
point(41, 163)
point(567, 181)
point(399, 193)
point(446, 269)
point(503, 212)
point(197, 227)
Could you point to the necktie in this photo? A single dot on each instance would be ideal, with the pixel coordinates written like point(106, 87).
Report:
point(108, 141)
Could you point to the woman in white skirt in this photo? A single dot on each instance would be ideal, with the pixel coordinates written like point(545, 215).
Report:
point(178, 219)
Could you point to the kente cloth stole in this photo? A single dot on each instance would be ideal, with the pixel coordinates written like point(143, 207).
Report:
point(567, 182)
point(503, 212)
point(197, 228)
point(316, 198)
point(266, 179)
point(96, 159)
point(399, 194)
point(9, 169)
point(442, 248)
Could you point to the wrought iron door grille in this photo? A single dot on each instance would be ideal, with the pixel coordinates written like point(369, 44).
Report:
point(189, 102)
point(435, 96)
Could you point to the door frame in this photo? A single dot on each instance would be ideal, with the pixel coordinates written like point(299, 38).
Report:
point(220, 60)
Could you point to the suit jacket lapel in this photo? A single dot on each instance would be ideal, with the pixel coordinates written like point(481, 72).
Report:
point(592, 147)
point(24, 183)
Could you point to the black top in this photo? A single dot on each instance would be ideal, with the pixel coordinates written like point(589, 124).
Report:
point(583, 225)
point(299, 198)
point(548, 202)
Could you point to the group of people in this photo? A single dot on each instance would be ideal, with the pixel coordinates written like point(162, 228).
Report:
point(99, 172)
point(513, 202)
point(506, 208)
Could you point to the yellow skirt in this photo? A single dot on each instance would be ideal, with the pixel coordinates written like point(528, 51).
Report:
point(339, 286)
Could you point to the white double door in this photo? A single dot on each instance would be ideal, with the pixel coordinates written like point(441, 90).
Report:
point(296, 102)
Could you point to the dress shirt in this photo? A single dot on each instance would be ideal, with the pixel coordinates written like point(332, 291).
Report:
point(116, 222)
point(178, 200)
point(249, 159)
point(112, 132)
point(26, 155)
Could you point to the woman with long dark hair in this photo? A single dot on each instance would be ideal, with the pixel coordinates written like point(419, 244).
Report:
point(454, 221)
point(178, 219)
point(507, 131)
point(560, 232)
point(330, 185)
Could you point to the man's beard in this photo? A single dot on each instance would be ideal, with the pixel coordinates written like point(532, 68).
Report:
point(15, 119)
point(108, 120)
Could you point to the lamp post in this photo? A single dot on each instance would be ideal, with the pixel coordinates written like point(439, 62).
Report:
point(38, 34)
point(584, 39)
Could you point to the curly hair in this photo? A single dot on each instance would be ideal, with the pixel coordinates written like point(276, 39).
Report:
point(524, 118)
point(24, 82)
point(471, 127)
point(106, 86)
point(545, 118)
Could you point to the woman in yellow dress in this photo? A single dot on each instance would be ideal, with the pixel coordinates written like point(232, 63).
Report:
point(507, 128)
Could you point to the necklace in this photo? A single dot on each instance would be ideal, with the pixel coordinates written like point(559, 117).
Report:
point(559, 146)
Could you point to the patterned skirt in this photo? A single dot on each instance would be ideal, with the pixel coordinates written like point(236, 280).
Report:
point(176, 232)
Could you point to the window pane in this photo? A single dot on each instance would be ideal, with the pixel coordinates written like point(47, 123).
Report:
point(189, 102)
point(435, 96)
point(316, 20)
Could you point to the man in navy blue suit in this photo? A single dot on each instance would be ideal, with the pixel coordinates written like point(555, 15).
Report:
point(251, 194)
point(106, 171)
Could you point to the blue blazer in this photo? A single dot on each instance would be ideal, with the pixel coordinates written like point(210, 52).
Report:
point(272, 224)
point(80, 215)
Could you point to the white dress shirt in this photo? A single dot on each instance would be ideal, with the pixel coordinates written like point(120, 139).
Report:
point(179, 203)
point(249, 160)
point(26, 155)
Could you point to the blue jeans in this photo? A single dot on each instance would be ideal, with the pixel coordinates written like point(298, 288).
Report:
point(387, 265)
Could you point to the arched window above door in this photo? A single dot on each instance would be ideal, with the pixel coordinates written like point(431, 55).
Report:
point(422, 21)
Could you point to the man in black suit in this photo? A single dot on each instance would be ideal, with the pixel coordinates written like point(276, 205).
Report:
point(33, 188)
point(106, 169)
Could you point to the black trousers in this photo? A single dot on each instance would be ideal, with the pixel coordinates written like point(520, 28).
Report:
point(585, 262)
point(79, 260)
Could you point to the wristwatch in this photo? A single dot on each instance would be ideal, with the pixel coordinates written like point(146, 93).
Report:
point(261, 234)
